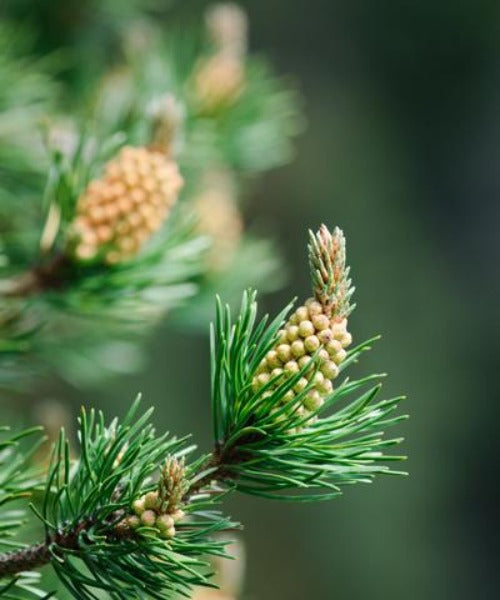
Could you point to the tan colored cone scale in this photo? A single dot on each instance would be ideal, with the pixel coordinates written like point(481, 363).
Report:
point(120, 211)
point(308, 331)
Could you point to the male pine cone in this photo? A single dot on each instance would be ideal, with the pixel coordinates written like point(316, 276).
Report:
point(161, 509)
point(120, 211)
point(316, 331)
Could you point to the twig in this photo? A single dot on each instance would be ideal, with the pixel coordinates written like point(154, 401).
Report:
point(51, 275)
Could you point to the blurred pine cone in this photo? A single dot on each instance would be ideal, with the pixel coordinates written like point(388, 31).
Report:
point(218, 82)
point(120, 211)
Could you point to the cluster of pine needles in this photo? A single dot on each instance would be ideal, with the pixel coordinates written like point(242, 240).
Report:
point(129, 214)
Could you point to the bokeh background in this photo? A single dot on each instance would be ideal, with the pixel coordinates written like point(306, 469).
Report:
point(401, 150)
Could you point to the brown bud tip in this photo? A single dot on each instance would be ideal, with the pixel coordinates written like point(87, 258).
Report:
point(122, 527)
point(172, 485)
point(167, 115)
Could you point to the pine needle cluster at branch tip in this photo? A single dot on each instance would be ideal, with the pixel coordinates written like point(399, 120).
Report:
point(94, 537)
point(161, 509)
point(120, 211)
point(316, 333)
point(271, 387)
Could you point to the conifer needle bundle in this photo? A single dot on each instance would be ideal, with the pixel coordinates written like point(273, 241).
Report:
point(134, 499)
point(125, 511)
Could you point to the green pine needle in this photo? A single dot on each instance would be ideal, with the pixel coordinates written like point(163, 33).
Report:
point(256, 447)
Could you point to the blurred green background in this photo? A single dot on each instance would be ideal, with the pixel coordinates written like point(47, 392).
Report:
point(402, 151)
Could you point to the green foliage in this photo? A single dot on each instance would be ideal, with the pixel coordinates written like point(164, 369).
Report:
point(252, 134)
point(256, 133)
point(255, 258)
point(117, 464)
point(266, 446)
point(28, 92)
point(28, 89)
point(90, 314)
point(106, 308)
point(118, 302)
point(263, 446)
point(82, 317)
point(17, 480)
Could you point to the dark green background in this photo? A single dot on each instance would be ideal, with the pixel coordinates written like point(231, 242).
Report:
point(402, 151)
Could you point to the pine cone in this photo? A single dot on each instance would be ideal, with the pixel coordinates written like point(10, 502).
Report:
point(161, 509)
point(319, 327)
point(120, 211)
point(308, 331)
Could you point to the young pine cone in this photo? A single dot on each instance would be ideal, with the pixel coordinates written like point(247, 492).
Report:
point(319, 327)
point(161, 509)
point(120, 211)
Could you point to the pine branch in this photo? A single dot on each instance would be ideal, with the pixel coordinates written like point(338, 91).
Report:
point(17, 481)
point(272, 393)
point(103, 512)
point(210, 108)
point(49, 276)
point(135, 516)
point(37, 555)
point(281, 431)
point(24, 559)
